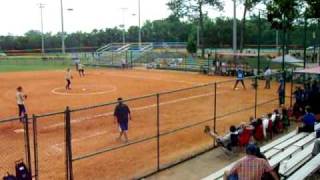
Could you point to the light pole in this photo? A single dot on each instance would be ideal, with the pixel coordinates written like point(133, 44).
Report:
point(139, 16)
point(62, 29)
point(123, 26)
point(234, 27)
point(41, 6)
point(63, 47)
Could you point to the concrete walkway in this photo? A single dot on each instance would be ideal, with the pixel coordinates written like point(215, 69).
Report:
point(196, 168)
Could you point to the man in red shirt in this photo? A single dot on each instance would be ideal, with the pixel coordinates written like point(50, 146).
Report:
point(251, 167)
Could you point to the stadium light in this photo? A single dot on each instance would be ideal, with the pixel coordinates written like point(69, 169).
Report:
point(42, 6)
point(123, 26)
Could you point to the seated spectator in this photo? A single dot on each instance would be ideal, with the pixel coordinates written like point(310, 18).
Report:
point(245, 134)
point(316, 148)
point(277, 125)
point(285, 118)
point(228, 141)
point(258, 135)
point(250, 167)
point(269, 129)
point(309, 120)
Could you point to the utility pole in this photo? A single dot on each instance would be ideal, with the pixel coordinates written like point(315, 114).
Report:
point(259, 43)
point(62, 29)
point(234, 27)
point(139, 14)
point(42, 6)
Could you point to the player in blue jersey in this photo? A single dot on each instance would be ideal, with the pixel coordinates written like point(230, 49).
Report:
point(240, 77)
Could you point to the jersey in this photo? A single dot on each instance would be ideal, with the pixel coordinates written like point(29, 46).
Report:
point(20, 98)
point(240, 75)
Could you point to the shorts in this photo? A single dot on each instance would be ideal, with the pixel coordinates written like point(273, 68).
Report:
point(22, 109)
point(123, 125)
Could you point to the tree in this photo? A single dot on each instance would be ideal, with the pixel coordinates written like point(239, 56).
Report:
point(194, 10)
point(282, 14)
point(192, 45)
point(313, 11)
point(248, 5)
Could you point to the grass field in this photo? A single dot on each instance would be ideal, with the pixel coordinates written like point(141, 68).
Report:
point(20, 64)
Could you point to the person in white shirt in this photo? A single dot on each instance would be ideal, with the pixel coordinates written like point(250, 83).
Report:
point(267, 76)
point(81, 70)
point(21, 97)
point(68, 79)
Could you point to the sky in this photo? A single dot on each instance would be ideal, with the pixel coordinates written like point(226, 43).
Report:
point(20, 16)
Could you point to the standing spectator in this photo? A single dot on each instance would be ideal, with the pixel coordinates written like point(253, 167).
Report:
point(122, 116)
point(267, 76)
point(309, 120)
point(281, 91)
point(123, 63)
point(251, 167)
point(21, 97)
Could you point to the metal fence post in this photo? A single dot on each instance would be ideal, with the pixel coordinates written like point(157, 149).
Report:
point(27, 142)
point(158, 132)
point(69, 171)
point(215, 112)
point(256, 96)
point(291, 89)
point(35, 146)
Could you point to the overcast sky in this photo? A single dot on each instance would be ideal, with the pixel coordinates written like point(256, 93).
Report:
point(19, 16)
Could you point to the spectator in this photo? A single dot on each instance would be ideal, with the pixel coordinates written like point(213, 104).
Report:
point(316, 148)
point(258, 135)
point(281, 91)
point(251, 167)
point(309, 120)
point(228, 141)
point(267, 76)
point(285, 118)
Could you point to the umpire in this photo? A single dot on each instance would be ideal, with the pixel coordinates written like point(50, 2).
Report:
point(122, 116)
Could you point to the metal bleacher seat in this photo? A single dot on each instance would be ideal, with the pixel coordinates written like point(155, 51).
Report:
point(288, 167)
point(309, 168)
point(290, 141)
point(274, 161)
point(306, 140)
point(271, 153)
point(269, 146)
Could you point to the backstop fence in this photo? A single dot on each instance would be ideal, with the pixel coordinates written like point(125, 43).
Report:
point(166, 129)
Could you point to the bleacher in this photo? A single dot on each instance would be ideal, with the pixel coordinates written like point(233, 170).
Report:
point(292, 152)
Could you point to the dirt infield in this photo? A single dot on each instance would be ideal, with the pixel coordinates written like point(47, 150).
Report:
point(94, 129)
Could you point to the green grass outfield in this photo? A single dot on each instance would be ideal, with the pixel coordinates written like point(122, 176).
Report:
point(18, 64)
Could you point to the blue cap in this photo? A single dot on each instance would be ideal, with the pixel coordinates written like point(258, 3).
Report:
point(251, 149)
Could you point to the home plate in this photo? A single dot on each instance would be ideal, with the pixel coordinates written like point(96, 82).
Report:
point(19, 131)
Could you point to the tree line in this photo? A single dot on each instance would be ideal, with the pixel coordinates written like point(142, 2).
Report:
point(189, 22)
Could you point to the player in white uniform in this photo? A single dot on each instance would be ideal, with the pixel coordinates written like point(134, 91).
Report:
point(81, 70)
point(21, 97)
point(68, 79)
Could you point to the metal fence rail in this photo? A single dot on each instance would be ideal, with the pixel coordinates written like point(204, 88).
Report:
point(66, 144)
